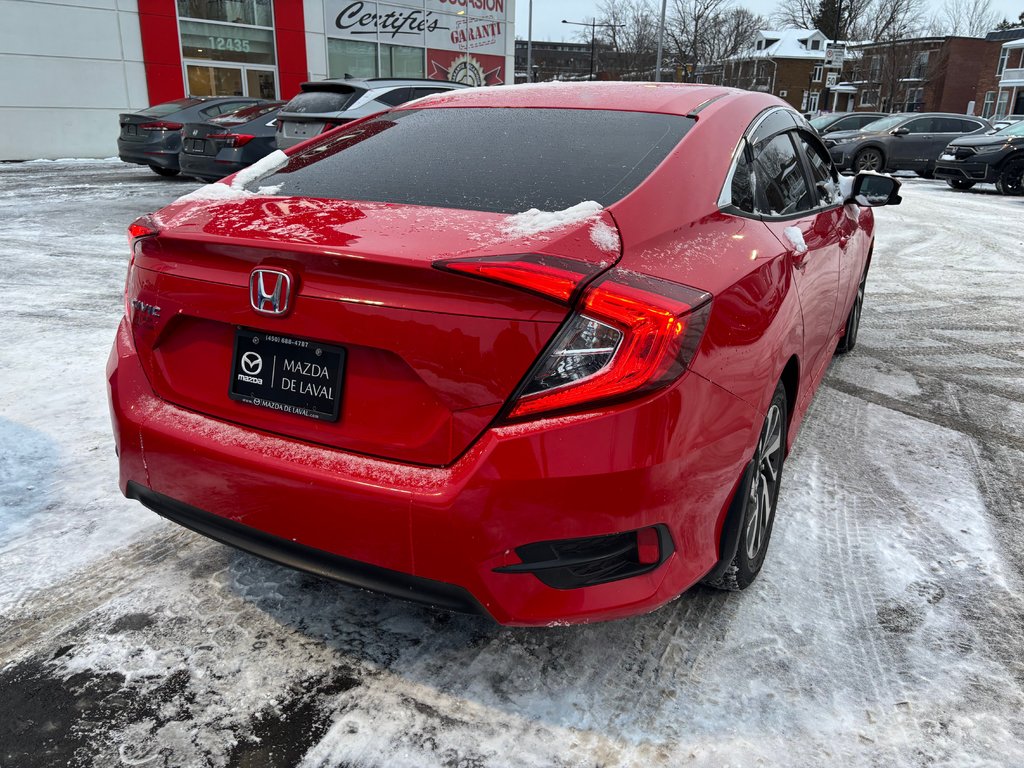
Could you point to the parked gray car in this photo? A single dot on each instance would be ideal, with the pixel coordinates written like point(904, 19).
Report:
point(324, 104)
point(911, 141)
point(153, 136)
point(843, 121)
point(224, 145)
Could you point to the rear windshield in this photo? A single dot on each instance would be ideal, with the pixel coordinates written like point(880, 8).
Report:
point(245, 114)
point(1013, 129)
point(315, 102)
point(169, 107)
point(500, 160)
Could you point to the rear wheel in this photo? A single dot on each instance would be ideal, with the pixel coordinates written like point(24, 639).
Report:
point(761, 500)
point(926, 173)
point(849, 340)
point(1010, 178)
point(960, 183)
point(164, 171)
point(869, 159)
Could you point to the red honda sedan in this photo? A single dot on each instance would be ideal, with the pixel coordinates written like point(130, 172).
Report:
point(537, 352)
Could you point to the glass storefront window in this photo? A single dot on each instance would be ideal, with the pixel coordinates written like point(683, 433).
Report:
point(214, 81)
point(351, 57)
point(217, 42)
point(262, 83)
point(401, 61)
point(256, 12)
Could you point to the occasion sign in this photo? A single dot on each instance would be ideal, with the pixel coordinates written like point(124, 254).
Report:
point(451, 25)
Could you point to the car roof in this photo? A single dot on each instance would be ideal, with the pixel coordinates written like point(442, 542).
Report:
point(665, 98)
point(369, 83)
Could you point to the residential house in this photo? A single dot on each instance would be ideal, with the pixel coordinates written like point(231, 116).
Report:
point(1003, 93)
point(924, 74)
point(789, 63)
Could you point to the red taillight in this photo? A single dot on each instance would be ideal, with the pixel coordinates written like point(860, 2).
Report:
point(141, 227)
point(161, 125)
point(632, 334)
point(232, 139)
point(549, 276)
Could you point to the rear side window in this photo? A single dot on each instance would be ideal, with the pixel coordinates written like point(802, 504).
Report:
point(781, 177)
point(395, 97)
point(969, 126)
point(170, 107)
point(743, 183)
point(315, 102)
point(499, 159)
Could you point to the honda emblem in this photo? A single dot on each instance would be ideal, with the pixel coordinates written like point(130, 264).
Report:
point(270, 291)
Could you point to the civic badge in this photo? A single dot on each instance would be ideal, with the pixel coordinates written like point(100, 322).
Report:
point(270, 291)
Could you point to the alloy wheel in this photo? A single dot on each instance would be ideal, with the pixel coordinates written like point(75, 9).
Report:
point(869, 160)
point(763, 490)
point(853, 324)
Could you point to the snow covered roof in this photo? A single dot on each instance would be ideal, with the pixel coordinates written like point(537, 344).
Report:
point(787, 44)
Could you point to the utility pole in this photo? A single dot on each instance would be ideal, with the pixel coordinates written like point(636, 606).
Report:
point(529, 46)
point(593, 36)
point(661, 42)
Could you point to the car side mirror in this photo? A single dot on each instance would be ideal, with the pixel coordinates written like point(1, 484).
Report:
point(901, 131)
point(874, 189)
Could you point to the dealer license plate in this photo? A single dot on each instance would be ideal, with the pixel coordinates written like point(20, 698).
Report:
point(286, 374)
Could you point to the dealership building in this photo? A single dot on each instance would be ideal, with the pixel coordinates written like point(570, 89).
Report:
point(69, 68)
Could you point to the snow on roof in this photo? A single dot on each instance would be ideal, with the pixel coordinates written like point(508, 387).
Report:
point(786, 44)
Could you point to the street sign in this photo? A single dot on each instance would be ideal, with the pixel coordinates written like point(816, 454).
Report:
point(834, 55)
point(831, 79)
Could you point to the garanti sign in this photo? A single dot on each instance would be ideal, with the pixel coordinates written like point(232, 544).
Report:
point(464, 40)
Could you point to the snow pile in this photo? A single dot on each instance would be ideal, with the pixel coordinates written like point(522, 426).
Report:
point(604, 237)
point(534, 221)
point(220, 192)
point(796, 238)
point(846, 186)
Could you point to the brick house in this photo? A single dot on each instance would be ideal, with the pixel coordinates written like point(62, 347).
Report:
point(789, 63)
point(1001, 89)
point(925, 74)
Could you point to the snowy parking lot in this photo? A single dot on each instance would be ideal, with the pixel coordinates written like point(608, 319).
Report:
point(886, 628)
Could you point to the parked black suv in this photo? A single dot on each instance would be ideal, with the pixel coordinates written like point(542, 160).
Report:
point(997, 158)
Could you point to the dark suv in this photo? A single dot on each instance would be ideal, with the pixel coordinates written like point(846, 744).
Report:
point(997, 158)
point(911, 141)
point(153, 136)
point(324, 104)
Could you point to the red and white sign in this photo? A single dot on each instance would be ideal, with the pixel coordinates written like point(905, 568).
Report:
point(468, 68)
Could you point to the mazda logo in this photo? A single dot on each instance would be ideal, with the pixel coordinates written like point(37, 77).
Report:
point(270, 291)
point(252, 364)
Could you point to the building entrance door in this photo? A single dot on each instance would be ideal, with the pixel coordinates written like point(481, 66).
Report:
point(221, 80)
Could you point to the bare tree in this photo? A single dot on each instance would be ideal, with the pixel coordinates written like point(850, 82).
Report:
point(857, 19)
point(971, 18)
point(634, 36)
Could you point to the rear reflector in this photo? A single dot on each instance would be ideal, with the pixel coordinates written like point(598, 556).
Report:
point(549, 276)
point(633, 334)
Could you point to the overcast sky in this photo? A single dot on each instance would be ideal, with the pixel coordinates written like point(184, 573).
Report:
point(548, 14)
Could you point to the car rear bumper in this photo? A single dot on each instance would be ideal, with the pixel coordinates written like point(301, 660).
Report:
point(147, 154)
point(439, 534)
point(966, 171)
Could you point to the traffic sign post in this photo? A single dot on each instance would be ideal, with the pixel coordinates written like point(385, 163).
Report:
point(835, 54)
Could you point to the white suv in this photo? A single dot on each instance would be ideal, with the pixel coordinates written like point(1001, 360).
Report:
point(324, 104)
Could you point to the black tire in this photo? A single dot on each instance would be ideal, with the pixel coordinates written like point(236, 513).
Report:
point(960, 183)
point(849, 339)
point(926, 173)
point(869, 159)
point(164, 171)
point(1011, 178)
point(762, 499)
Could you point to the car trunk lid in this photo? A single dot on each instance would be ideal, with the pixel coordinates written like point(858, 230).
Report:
point(430, 356)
